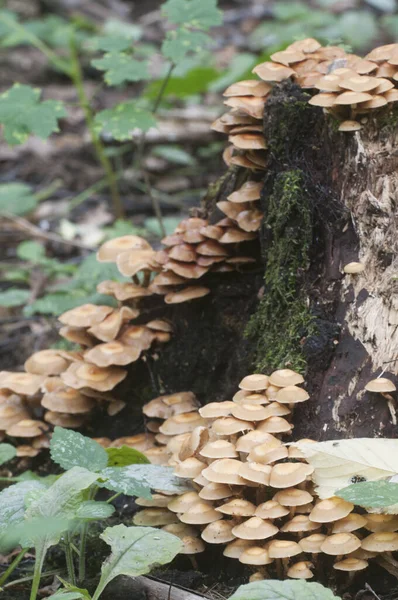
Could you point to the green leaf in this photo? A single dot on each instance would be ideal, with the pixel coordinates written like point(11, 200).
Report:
point(72, 449)
point(291, 11)
point(123, 29)
point(372, 494)
point(194, 82)
point(22, 114)
point(120, 67)
point(17, 275)
point(124, 456)
point(201, 15)
point(358, 27)
point(138, 480)
point(55, 304)
point(26, 533)
point(174, 154)
point(65, 595)
point(283, 590)
point(110, 43)
point(31, 251)
point(239, 68)
point(7, 452)
point(17, 198)
point(179, 42)
point(122, 227)
point(169, 223)
point(14, 297)
point(91, 510)
point(120, 120)
point(135, 550)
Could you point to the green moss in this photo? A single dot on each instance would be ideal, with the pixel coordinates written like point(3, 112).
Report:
point(390, 119)
point(283, 318)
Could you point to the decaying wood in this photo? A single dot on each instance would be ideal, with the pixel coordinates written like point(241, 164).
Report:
point(147, 588)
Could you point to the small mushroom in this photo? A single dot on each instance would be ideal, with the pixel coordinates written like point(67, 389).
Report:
point(255, 529)
point(27, 428)
point(218, 532)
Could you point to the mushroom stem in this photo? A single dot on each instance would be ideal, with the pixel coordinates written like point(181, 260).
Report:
point(391, 407)
point(194, 562)
point(147, 278)
point(279, 568)
point(285, 564)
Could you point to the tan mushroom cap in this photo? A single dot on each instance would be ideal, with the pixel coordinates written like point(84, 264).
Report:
point(350, 126)
point(110, 250)
point(291, 394)
point(237, 508)
point(286, 475)
point(219, 449)
point(285, 377)
point(224, 470)
point(293, 497)
point(189, 293)
point(42, 441)
point(77, 335)
point(218, 532)
point(182, 423)
point(190, 467)
point(27, 428)
point(133, 261)
point(251, 398)
point(184, 502)
point(248, 141)
point(216, 491)
point(325, 99)
point(26, 384)
point(376, 523)
point(200, 513)
point(154, 517)
point(234, 549)
point(125, 291)
point(192, 545)
point(214, 410)
point(248, 87)
point(351, 564)
point(249, 192)
point(254, 383)
point(187, 270)
point(26, 451)
point(275, 425)
point(249, 412)
point(301, 570)
point(381, 385)
point(255, 529)
point(312, 544)
point(271, 510)
point(331, 509)
point(270, 71)
point(299, 523)
point(181, 530)
point(80, 375)
point(383, 541)
point(108, 329)
point(248, 105)
point(157, 501)
point(170, 405)
point(10, 414)
point(266, 454)
point(230, 425)
point(255, 555)
point(141, 441)
point(341, 543)
point(85, 315)
point(353, 268)
point(67, 400)
point(157, 456)
point(283, 549)
point(46, 362)
point(350, 523)
point(255, 472)
point(64, 419)
point(112, 353)
point(254, 438)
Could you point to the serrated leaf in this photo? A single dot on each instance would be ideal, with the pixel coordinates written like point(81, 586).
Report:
point(339, 463)
point(14, 297)
point(122, 119)
point(120, 67)
point(22, 114)
point(283, 590)
point(72, 449)
point(135, 550)
point(124, 456)
point(138, 480)
point(379, 495)
point(179, 42)
point(17, 198)
point(201, 15)
point(7, 452)
point(91, 510)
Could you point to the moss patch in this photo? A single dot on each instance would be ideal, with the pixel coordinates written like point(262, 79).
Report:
point(283, 317)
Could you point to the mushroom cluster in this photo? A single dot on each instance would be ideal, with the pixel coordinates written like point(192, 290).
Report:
point(252, 492)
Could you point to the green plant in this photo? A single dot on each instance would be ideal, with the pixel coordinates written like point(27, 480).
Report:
point(283, 590)
point(43, 512)
point(381, 496)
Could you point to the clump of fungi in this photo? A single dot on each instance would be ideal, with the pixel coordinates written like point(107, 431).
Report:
point(252, 492)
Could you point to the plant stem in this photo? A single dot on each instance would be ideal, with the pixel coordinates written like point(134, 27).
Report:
point(40, 556)
point(49, 190)
point(82, 551)
point(112, 498)
point(13, 566)
point(77, 79)
point(69, 560)
point(30, 577)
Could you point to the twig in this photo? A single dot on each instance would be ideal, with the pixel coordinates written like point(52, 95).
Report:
point(25, 579)
point(367, 586)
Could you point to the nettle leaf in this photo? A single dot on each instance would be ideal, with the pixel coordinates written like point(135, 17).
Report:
point(72, 449)
point(180, 42)
point(202, 15)
point(14, 297)
point(91, 510)
point(7, 452)
point(135, 550)
point(120, 120)
point(283, 590)
point(124, 456)
point(17, 198)
point(120, 67)
point(22, 114)
point(138, 480)
point(373, 494)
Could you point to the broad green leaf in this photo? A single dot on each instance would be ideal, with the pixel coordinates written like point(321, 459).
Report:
point(201, 15)
point(124, 456)
point(17, 275)
point(7, 452)
point(22, 114)
point(194, 82)
point(283, 590)
point(135, 551)
point(17, 198)
point(72, 449)
point(138, 480)
point(55, 304)
point(14, 297)
point(239, 68)
point(179, 42)
point(110, 43)
point(123, 29)
point(27, 532)
point(289, 11)
point(174, 154)
point(120, 67)
point(31, 251)
point(358, 27)
point(65, 595)
point(91, 510)
point(122, 119)
point(373, 494)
